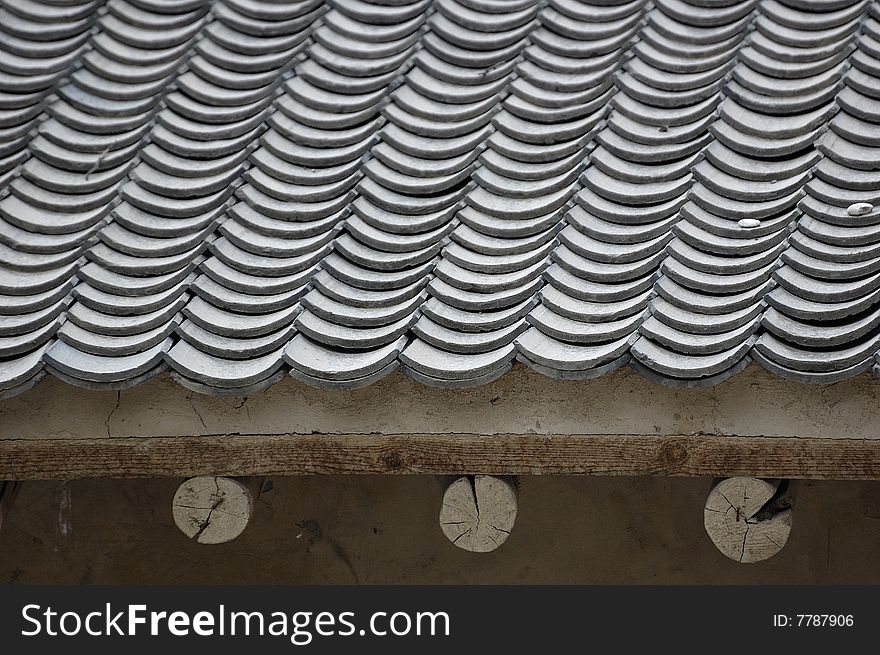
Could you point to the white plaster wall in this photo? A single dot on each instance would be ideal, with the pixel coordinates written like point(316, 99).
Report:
point(755, 403)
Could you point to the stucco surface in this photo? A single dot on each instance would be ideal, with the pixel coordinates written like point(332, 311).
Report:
point(754, 403)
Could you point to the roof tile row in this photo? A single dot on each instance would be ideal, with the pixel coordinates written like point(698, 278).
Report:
point(240, 190)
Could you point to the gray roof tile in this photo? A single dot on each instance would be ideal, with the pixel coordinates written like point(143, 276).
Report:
point(736, 188)
point(317, 361)
point(479, 300)
point(575, 331)
point(676, 364)
point(574, 374)
point(824, 362)
point(811, 309)
point(115, 304)
point(219, 295)
point(237, 347)
point(234, 324)
point(564, 356)
point(457, 341)
point(214, 371)
point(107, 345)
point(691, 343)
point(100, 369)
point(17, 374)
point(13, 345)
point(115, 325)
point(444, 365)
point(18, 324)
point(339, 333)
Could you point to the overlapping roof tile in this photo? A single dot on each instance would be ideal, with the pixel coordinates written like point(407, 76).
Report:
point(236, 191)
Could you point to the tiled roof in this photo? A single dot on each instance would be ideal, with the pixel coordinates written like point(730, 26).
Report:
point(241, 190)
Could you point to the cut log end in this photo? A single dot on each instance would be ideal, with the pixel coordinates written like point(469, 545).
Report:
point(478, 512)
point(213, 510)
point(748, 519)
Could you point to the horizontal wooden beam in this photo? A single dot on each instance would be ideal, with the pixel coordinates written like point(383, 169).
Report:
point(440, 454)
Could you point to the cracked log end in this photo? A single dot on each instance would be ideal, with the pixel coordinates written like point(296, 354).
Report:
point(212, 510)
point(746, 519)
point(478, 512)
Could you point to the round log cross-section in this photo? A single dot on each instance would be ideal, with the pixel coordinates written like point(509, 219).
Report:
point(478, 512)
point(745, 519)
point(212, 510)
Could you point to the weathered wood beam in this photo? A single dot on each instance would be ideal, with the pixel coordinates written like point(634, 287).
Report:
point(215, 509)
point(478, 512)
point(749, 519)
point(8, 491)
point(440, 454)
